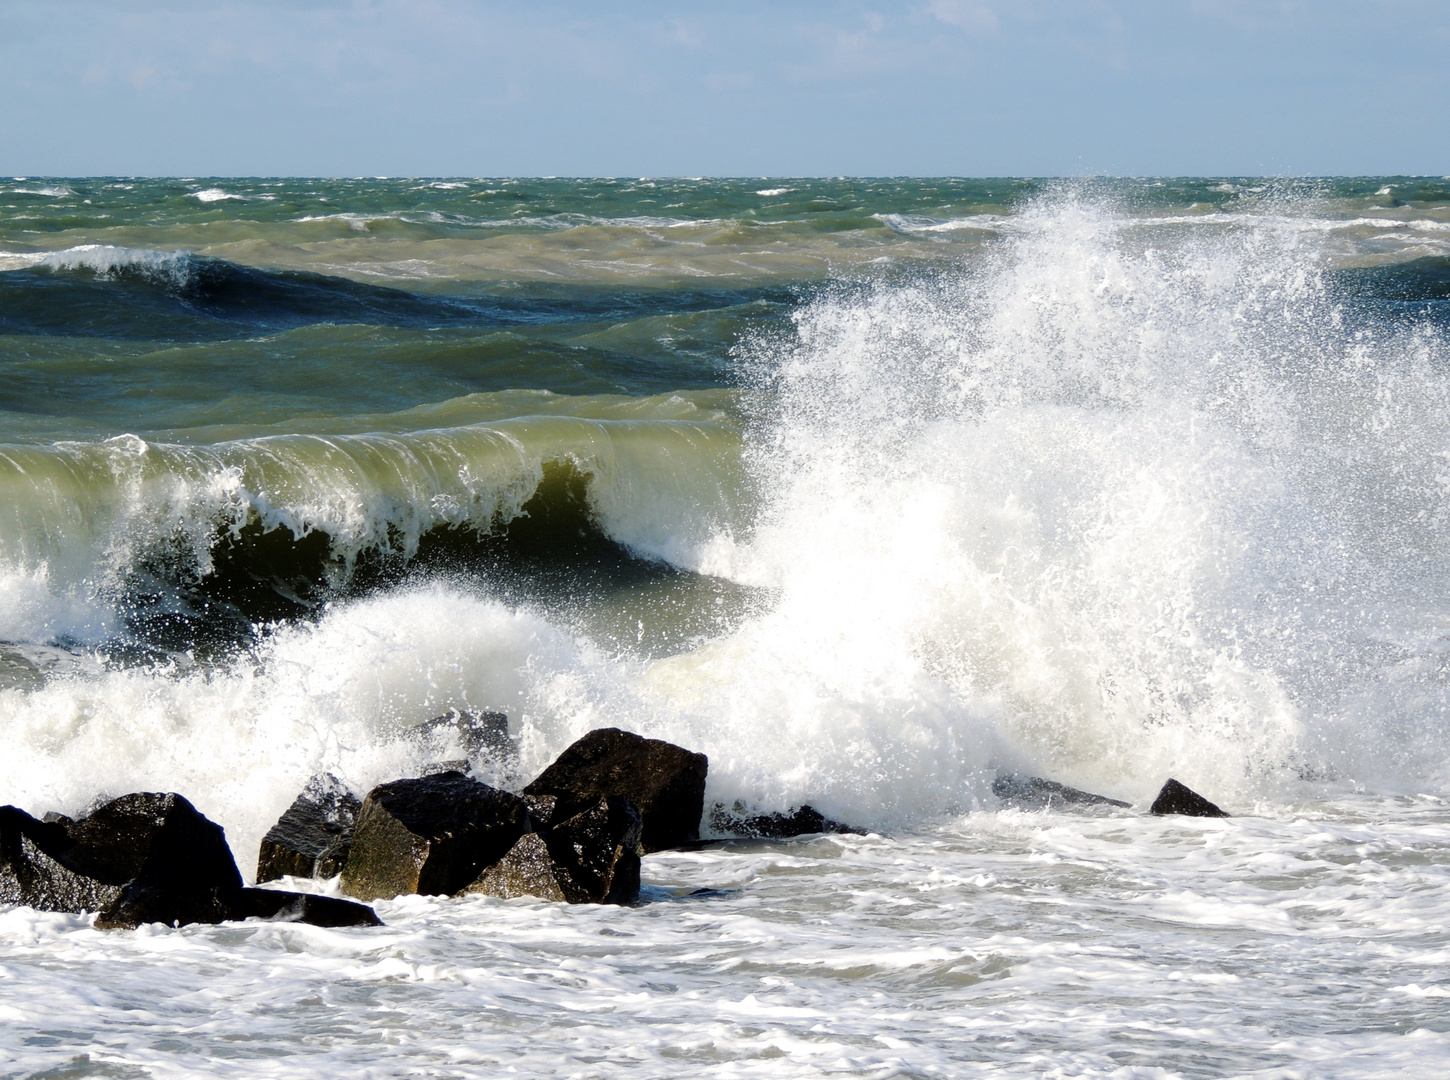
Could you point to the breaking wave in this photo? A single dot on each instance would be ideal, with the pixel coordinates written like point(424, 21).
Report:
point(1104, 504)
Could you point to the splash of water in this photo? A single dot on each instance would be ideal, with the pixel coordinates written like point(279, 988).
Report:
point(1110, 504)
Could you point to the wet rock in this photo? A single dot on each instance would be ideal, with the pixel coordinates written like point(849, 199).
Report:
point(139, 905)
point(432, 835)
point(1036, 793)
point(142, 858)
point(527, 870)
point(590, 858)
point(159, 840)
point(312, 837)
point(1175, 798)
point(596, 853)
point(541, 809)
point(666, 783)
point(478, 733)
point(31, 874)
point(799, 821)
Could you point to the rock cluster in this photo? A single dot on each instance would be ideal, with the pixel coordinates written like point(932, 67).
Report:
point(575, 834)
point(142, 858)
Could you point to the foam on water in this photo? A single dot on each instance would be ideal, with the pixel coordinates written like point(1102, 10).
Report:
point(175, 268)
point(1106, 504)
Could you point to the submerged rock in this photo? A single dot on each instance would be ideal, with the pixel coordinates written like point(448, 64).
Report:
point(799, 821)
point(478, 733)
point(312, 837)
point(1175, 798)
point(138, 906)
point(1039, 794)
point(590, 858)
point(432, 835)
point(146, 857)
point(665, 782)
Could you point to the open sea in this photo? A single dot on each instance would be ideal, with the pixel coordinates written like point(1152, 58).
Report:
point(867, 489)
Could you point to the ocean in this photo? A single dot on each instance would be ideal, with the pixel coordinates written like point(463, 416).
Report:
point(871, 490)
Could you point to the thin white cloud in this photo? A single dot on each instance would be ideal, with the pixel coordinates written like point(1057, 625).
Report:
point(966, 15)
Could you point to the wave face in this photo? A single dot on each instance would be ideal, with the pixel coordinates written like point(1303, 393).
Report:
point(1105, 483)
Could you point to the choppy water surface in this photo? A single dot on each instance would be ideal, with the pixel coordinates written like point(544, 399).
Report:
point(868, 490)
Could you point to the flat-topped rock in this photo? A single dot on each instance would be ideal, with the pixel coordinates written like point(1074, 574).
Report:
point(139, 906)
point(1036, 793)
point(313, 835)
point(432, 835)
point(664, 782)
point(1176, 798)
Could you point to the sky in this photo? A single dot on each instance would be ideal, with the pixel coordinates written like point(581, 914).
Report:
point(737, 88)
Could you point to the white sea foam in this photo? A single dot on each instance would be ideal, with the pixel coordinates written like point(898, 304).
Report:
point(1002, 945)
point(923, 224)
point(211, 195)
point(109, 260)
point(53, 192)
point(772, 192)
point(1109, 505)
point(19, 260)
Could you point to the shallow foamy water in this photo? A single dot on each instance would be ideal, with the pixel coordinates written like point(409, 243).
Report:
point(1314, 942)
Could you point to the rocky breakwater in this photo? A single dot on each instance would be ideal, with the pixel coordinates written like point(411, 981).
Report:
point(144, 858)
point(575, 834)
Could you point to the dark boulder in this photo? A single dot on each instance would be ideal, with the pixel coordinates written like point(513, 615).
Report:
point(312, 838)
point(590, 858)
point(432, 835)
point(1175, 798)
point(158, 839)
point(31, 873)
point(596, 852)
point(1039, 794)
point(799, 821)
point(139, 905)
point(147, 857)
point(666, 783)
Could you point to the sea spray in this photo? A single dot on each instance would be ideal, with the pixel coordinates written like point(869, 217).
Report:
point(1103, 506)
point(1109, 503)
point(1142, 481)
